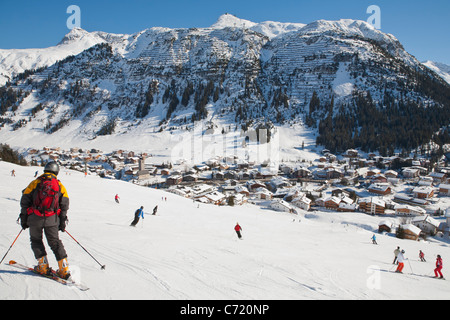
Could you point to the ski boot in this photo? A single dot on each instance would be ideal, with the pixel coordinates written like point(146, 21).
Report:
point(42, 267)
point(63, 271)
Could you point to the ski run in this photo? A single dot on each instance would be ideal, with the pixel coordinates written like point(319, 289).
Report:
point(191, 252)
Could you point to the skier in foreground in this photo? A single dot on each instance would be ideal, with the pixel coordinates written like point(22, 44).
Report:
point(137, 214)
point(44, 205)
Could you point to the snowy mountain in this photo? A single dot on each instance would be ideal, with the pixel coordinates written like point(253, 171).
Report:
point(234, 74)
point(194, 254)
point(440, 68)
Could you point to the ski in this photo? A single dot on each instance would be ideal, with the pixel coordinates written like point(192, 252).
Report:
point(51, 276)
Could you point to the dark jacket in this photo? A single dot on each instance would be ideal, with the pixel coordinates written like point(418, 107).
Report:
point(26, 202)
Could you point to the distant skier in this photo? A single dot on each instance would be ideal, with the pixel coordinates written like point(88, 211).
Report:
point(374, 239)
point(238, 230)
point(138, 214)
point(13, 173)
point(155, 209)
point(438, 269)
point(117, 198)
point(396, 252)
point(422, 256)
point(401, 261)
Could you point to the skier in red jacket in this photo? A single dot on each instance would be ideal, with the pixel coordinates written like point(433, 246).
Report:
point(438, 269)
point(238, 230)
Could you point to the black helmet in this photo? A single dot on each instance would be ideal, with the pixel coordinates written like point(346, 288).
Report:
point(52, 167)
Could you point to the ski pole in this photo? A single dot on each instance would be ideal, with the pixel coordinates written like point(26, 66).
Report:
point(410, 267)
point(11, 245)
point(103, 266)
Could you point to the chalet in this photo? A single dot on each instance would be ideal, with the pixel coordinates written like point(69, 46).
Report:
point(263, 194)
point(410, 173)
point(411, 232)
point(215, 198)
point(379, 178)
point(253, 185)
point(347, 207)
point(218, 175)
point(438, 177)
point(301, 173)
point(333, 173)
point(372, 205)
point(427, 224)
point(385, 226)
point(239, 199)
point(408, 211)
point(302, 202)
point(351, 153)
point(391, 174)
point(165, 172)
point(332, 203)
point(444, 189)
point(190, 178)
point(174, 180)
point(281, 205)
point(242, 190)
point(379, 188)
point(373, 172)
point(423, 192)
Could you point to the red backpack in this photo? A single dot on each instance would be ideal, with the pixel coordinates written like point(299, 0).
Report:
point(46, 197)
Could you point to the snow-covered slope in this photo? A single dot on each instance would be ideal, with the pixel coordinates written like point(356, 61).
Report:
point(235, 73)
point(16, 61)
point(440, 68)
point(190, 252)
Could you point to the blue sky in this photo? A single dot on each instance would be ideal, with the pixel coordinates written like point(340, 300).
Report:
point(423, 27)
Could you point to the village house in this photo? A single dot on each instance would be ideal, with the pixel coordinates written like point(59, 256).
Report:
point(302, 201)
point(444, 189)
point(174, 180)
point(386, 226)
point(372, 205)
point(423, 192)
point(438, 177)
point(410, 173)
point(263, 194)
point(408, 211)
point(379, 188)
point(427, 224)
point(281, 205)
point(217, 198)
point(411, 232)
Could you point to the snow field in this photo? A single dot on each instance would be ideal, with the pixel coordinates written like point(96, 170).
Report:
point(191, 252)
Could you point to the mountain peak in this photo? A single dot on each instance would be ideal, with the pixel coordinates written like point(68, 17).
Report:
point(229, 20)
point(74, 35)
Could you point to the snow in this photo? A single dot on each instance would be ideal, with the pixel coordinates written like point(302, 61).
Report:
point(441, 69)
point(190, 251)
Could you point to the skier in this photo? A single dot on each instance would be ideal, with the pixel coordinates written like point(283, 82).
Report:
point(438, 269)
point(155, 209)
point(401, 261)
point(139, 213)
point(396, 252)
point(238, 230)
point(117, 198)
point(422, 256)
point(44, 205)
point(374, 239)
point(13, 173)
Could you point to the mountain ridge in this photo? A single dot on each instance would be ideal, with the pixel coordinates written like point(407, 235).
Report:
point(229, 73)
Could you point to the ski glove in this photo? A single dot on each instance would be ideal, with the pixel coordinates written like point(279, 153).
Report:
point(23, 222)
point(62, 224)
